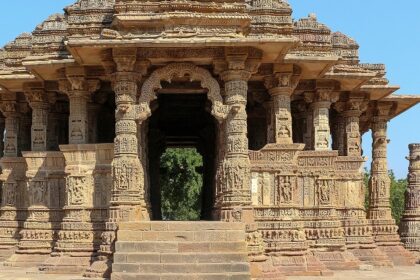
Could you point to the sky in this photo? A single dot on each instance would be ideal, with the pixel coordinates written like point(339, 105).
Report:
point(387, 31)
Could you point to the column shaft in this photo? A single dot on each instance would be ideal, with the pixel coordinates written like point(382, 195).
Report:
point(128, 201)
point(321, 125)
point(380, 183)
point(283, 116)
point(78, 119)
point(410, 222)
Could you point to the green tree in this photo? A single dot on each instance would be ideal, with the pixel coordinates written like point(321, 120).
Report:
point(398, 188)
point(181, 184)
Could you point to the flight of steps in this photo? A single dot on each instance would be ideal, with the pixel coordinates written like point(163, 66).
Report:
point(164, 250)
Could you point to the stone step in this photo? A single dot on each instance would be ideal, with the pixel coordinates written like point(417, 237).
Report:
point(179, 276)
point(181, 250)
point(181, 267)
point(185, 258)
point(180, 226)
point(210, 235)
point(180, 247)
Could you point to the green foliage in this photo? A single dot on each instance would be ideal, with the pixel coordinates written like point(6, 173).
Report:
point(181, 184)
point(398, 189)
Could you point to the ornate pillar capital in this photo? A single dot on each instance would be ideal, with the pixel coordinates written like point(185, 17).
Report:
point(36, 94)
point(236, 67)
point(283, 81)
point(382, 111)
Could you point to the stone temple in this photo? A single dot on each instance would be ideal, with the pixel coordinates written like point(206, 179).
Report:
point(276, 107)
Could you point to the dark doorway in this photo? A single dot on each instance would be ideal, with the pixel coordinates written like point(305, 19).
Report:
point(182, 124)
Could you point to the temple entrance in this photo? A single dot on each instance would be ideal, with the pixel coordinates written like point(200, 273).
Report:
point(181, 156)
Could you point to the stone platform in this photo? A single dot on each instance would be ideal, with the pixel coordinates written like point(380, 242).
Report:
point(397, 273)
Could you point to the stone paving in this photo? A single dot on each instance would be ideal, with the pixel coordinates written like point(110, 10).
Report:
point(398, 273)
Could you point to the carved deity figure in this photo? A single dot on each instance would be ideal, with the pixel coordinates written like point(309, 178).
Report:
point(76, 190)
point(38, 192)
point(324, 192)
point(9, 194)
point(285, 189)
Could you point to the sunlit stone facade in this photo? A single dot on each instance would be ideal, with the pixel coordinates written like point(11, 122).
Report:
point(92, 97)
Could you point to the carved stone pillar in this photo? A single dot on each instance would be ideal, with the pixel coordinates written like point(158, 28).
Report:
point(321, 103)
point(128, 195)
point(410, 223)
point(281, 86)
point(234, 199)
point(380, 183)
point(385, 231)
point(353, 144)
point(10, 111)
point(38, 100)
point(79, 90)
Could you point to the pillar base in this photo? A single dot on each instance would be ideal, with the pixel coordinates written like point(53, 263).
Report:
point(27, 259)
point(66, 263)
point(293, 265)
point(399, 255)
point(100, 268)
point(6, 252)
point(372, 256)
point(336, 260)
point(417, 256)
point(264, 270)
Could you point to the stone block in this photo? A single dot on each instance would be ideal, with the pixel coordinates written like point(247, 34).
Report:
point(143, 258)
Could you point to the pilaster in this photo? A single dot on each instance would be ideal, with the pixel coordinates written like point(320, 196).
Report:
point(79, 89)
point(10, 110)
point(354, 108)
point(321, 101)
point(38, 101)
point(281, 86)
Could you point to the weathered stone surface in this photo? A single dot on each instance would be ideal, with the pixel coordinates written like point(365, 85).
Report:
point(276, 107)
point(180, 253)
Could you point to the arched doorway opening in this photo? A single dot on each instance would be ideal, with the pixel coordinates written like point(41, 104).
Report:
point(184, 108)
point(180, 131)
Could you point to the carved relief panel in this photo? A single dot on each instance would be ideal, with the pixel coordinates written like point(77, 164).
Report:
point(38, 192)
point(79, 190)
